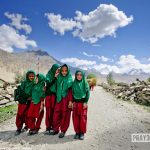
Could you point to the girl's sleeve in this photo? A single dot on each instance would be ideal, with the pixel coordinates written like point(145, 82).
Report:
point(22, 92)
point(43, 94)
point(50, 82)
point(22, 85)
point(87, 96)
point(70, 96)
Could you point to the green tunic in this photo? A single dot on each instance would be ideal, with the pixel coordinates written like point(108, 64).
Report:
point(63, 84)
point(51, 80)
point(80, 89)
point(38, 89)
point(26, 88)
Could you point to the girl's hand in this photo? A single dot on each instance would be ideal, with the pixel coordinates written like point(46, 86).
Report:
point(42, 107)
point(56, 74)
point(85, 105)
point(29, 99)
point(70, 104)
point(73, 104)
point(44, 88)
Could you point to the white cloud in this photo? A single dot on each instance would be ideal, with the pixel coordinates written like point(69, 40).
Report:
point(59, 24)
point(126, 64)
point(96, 45)
point(10, 38)
point(18, 22)
point(10, 35)
point(101, 22)
point(78, 62)
point(130, 62)
point(105, 68)
point(101, 58)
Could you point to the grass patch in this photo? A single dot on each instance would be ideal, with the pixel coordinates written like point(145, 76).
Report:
point(147, 108)
point(7, 112)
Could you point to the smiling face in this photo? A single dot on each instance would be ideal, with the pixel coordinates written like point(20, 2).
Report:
point(79, 76)
point(31, 76)
point(64, 71)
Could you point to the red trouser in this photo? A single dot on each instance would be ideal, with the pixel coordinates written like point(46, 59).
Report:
point(61, 118)
point(35, 116)
point(21, 116)
point(92, 88)
point(49, 104)
point(79, 118)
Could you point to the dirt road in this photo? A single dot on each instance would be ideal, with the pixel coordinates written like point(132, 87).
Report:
point(110, 125)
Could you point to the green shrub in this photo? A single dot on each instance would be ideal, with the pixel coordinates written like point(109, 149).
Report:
point(7, 112)
point(110, 79)
point(19, 77)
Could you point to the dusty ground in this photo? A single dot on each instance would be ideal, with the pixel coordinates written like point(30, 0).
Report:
point(110, 125)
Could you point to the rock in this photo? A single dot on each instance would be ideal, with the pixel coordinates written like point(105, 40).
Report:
point(22, 142)
point(7, 95)
point(138, 92)
point(5, 101)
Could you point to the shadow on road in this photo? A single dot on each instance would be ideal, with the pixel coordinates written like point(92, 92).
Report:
point(24, 139)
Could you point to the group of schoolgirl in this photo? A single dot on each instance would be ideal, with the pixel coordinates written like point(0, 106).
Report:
point(60, 96)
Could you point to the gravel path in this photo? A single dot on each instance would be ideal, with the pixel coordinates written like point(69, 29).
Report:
point(110, 125)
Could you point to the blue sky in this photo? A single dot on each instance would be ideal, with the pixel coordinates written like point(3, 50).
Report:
point(131, 42)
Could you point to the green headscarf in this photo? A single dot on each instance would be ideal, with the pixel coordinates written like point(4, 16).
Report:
point(38, 91)
point(27, 85)
point(80, 88)
point(50, 77)
point(63, 84)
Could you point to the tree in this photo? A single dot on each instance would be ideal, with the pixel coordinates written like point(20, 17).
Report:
point(19, 77)
point(110, 79)
point(148, 79)
point(91, 75)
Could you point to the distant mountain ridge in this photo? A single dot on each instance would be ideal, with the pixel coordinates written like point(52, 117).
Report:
point(19, 62)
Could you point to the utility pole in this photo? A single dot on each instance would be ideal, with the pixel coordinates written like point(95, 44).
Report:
point(38, 65)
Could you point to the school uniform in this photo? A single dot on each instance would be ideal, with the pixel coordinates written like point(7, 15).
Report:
point(62, 113)
point(81, 95)
point(35, 116)
point(23, 105)
point(50, 96)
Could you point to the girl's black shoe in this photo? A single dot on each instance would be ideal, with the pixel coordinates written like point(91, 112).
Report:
point(25, 129)
point(81, 136)
point(61, 135)
point(53, 132)
point(31, 132)
point(47, 132)
point(18, 131)
point(76, 136)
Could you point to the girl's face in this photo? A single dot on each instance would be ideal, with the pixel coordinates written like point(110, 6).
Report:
point(64, 71)
point(79, 76)
point(31, 76)
point(37, 80)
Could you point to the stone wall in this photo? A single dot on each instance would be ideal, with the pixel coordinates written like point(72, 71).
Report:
point(138, 91)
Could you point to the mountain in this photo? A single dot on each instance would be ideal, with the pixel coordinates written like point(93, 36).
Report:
point(19, 62)
point(136, 72)
point(126, 78)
